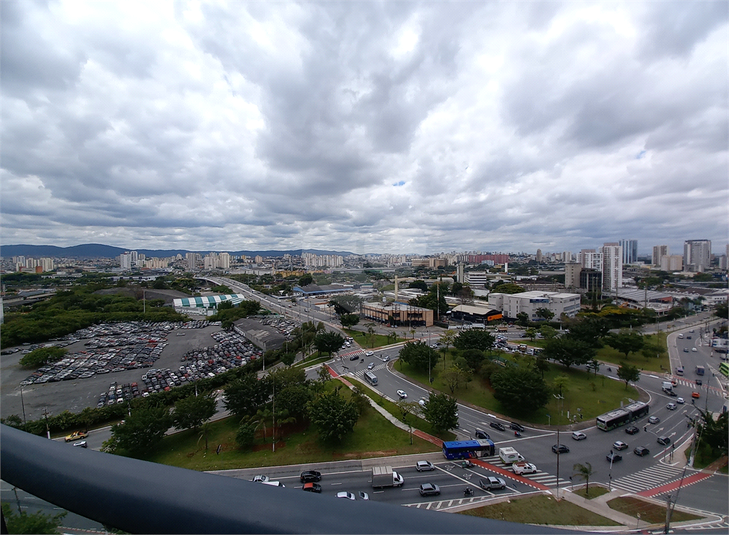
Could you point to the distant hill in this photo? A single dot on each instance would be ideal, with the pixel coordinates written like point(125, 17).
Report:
point(97, 250)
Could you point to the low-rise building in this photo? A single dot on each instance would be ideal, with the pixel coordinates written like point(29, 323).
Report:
point(398, 314)
point(511, 305)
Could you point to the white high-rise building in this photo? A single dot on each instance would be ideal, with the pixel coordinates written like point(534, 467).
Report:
point(590, 259)
point(125, 260)
point(224, 260)
point(696, 255)
point(659, 251)
point(612, 267)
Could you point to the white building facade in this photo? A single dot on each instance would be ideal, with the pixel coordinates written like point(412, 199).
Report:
point(511, 305)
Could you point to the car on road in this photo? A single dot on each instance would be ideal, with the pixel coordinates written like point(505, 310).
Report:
point(632, 430)
point(680, 401)
point(346, 495)
point(699, 382)
point(424, 466)
point(685, 349)
point(578, 435)
point(516, 427)
point(498, 425)
point(523, 467)
point(82, 444)
point(429, 489)
point(693, 349)
point(654, 419)
point(402, 394)
point(370, 365)
point(259, 479)
point(481, 434)
point(663, 441)
point(76, 435)
point(492, 483)
point(312, 487)
point(560, 448)
point(620, 445)
point(640, 451)
point(422, 402)
point(614, 457)
point(309, 476)
point(363, 495)
point(671, 406)
point(370, 353)
point(354, 357)
point(695, 395)
point(386, 358)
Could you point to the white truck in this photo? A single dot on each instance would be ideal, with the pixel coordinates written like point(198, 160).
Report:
point(510, 455)
point(667, 386)
point(385, 476)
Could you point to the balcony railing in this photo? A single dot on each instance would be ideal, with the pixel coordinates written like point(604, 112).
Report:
point(143, 497)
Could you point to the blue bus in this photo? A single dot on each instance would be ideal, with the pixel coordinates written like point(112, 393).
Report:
point(468, 449)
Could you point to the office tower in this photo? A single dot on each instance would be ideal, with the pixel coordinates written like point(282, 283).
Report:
point(572, 274)
point(658, 252)
point(612, 267)
point(630, 251)
point(696, 255)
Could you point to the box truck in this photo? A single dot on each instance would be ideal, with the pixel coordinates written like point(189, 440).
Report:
point(385, 476)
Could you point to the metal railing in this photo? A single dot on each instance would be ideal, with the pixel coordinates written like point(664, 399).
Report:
point(142, 497)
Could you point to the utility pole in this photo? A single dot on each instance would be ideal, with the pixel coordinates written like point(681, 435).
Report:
point(48, 429)
point(22, 403)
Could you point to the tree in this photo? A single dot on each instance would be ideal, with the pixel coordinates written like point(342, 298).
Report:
point(628, 373)
point(584, 471)
point(246, 435)
point(474, 339)
point(38, 522)
point(520, 389)
point(594, 364)
point(349, 320)
point(419, 284)
point(288, 358)
point(474, 358)
point(721, 310)
point(440, 411)
point(143, 429)
point(544, 313)
point(568, 351)
point(590, 330)
point(305, 280)
point(531, 333)
point(453, 378)
point(547, 331)
point(419, 355)
point(626, 342)
point(714, 433)
point(333, 416)
point(191, 412)
point(541, 365)
point(244, 396)
point(522, 319)
point(506, 288)
point(328, 342)
point(294, 398)
point(41, 356)
point(225, 305)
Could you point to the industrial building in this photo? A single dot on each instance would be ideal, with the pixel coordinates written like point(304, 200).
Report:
point(558, 303)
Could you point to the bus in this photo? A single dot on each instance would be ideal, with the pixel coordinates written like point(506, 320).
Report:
point(611, 420)
point(724, 369)
point(371, 378)
point(467, 449)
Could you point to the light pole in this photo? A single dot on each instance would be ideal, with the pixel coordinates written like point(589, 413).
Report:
point(22, 403)
point(610, 475)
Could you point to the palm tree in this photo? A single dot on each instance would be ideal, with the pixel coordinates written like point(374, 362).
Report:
point(204, 431)
point(584, 471)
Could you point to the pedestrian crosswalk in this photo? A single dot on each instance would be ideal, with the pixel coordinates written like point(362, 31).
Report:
point(544, 478)
point(445, 504)
point(648, 478)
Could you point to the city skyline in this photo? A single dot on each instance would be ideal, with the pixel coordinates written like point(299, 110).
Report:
point(388, 128)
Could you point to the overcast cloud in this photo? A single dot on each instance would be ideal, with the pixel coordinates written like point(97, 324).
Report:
point(370, 126)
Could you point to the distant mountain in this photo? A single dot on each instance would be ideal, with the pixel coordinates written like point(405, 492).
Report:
point(97, 250)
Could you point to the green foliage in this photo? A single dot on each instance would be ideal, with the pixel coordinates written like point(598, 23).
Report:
point(38, 522)
point(626, 342)
point(294, 399)
point(245, 436)
point(244, 396)
point(544, 313)
point(288, 358)
point(547, 331)
point(629, 374)
point(225, 305)
point(349, 320)
point(506, 288)
point(333, 416)
point(230, 313)
point(531, 333)
point(714, 433)
point(305, 280)
point(42, 356)
point(328, 342)
point(419, 355)
point(222, 289)
point(520, 390)
point(440, 411)
point(590, 329)
point(419, 284)
point(191, 412)
point(474, 358)
point(584, 471)
point(721, 310)
point(474, 339)
point(143, 429)
point(568, 351)
point(522, 319)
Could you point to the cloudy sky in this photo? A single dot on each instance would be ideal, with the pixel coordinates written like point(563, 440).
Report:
point(369, 126)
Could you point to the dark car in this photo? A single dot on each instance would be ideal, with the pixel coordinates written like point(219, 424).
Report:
point(516, 427)
point(429, 489)
point(664, 441)
point(614, 457)
point(354, 357)
point(632, 430)
point(310, 476)
point(640, 451)
point(482, 434)
point(312, 487)
point(498, 425)
point(560, 448)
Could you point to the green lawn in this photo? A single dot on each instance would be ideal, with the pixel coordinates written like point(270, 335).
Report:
point(370, 342)
point(593, 395)
point(660, 364)
point(544, 510)
point(595, 491)
point(649, 512)
point(373, 436)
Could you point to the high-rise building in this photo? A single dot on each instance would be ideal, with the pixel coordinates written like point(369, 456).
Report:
point(672, 262)
point(612, 267)
point(590, 259)
point(125, 260)
point(630, 251)
point(696, 255)
point(192, 259)
point(658, 252)
point(224, 260)
point(572, 274)
point(539, 256)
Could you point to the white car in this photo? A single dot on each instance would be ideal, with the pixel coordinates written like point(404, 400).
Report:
point(260, 479)
point(402, 394)
point(578, 435)
point(370, 365)
point(422, 402)
point(680, 401)
point(521, 468)
point(346, 495)
point(424, 466)
point(671, 406)
point(370, 353)
point(694, 349)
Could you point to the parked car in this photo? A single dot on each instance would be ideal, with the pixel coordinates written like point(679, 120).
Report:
point(654, 419)
point(614, 457)
point(523, 467)
point(492, 483)
point(632, 430)
point(663, 441)
point(429, 489)
point(560, 448)
point(312, 487)
point(640, 451)
point(346, 495)
point(424, 466)
point(498, 425)
point(578, 435)
point(671, 406)
point(481, 434)
point(620, 445)
point(310, 476)
point(402, 394)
